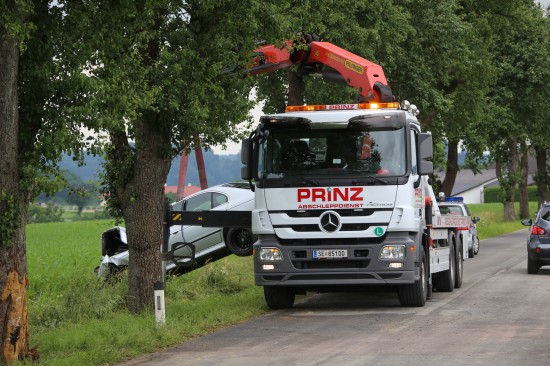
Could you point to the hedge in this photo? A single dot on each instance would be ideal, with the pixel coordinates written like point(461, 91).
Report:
point(494, 194)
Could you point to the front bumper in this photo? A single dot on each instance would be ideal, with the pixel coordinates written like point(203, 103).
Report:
point(361, 267)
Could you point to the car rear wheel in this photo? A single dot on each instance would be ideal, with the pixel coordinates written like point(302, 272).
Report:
point(532, 266)
point(239, 241)
point(279, 297)
point(475, 244)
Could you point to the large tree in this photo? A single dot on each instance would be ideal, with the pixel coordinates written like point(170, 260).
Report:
point(519, 110)
point(431, 52)
point(156, 81)
point(445, 70)
point(534, 110)
point(371, 30)
point(13, 264)
point(37, 93)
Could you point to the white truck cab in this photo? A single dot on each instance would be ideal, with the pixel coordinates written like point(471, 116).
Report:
point(341, 193)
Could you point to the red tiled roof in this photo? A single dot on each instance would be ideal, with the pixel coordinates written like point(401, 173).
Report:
point(187, 190)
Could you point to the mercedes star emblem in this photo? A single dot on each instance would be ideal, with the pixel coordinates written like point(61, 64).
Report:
point(330, 221)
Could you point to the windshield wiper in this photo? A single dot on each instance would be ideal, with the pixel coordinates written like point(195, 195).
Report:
point(304, 180)
point(372, 179)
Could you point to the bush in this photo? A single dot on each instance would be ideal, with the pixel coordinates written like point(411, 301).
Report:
point(39, 214)
point(494, 194)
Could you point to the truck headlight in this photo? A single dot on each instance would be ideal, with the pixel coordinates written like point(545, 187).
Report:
point(270, 255)
point(392, 252)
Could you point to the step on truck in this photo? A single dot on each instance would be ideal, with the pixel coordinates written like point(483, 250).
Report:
point(343, 200)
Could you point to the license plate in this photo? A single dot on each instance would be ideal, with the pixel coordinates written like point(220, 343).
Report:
point(329, 253)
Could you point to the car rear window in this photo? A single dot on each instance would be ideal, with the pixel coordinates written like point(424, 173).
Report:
point(451, 210)
point(545, 213)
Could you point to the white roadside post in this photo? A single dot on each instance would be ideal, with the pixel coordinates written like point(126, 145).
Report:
point(160, 311)
point(159, 286)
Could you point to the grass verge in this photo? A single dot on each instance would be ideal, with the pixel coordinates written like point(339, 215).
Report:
point(492, 219)
point(76, 319)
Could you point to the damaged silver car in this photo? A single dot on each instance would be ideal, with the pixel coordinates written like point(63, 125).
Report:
point(207, 243)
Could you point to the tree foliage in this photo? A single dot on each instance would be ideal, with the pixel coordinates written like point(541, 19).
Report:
point(35, 126)
point(519, 52)
point(148, 77)
point(156, 81)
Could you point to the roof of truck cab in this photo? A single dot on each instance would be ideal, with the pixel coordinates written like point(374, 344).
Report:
point(340, 115)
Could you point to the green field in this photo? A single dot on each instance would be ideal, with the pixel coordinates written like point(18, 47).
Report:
point(492, 223)
point(76, 319)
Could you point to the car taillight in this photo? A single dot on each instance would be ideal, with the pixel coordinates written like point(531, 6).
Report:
point(536, 230)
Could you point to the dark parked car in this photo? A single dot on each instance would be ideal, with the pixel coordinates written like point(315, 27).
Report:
point(538, 243)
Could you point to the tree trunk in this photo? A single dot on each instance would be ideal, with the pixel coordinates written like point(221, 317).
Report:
point(143, 206)
point(296, 89)
point(452, 169)
point(13, 262)
point(541, 177)
point(507, 170)
point(524, 174)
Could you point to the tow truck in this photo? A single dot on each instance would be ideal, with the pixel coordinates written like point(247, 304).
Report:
point(343, 200)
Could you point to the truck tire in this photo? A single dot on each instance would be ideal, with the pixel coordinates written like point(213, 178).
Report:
point(279, 297)
point(532, 266)
point(239, 241)
point(459, 267)
point(445, 281)
point(415, 295)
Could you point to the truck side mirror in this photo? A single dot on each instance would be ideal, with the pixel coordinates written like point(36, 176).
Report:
point(246, 170)
point(425, 154)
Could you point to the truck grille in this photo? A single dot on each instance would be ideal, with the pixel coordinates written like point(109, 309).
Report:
point(343, 213)
point(314, 228)
point(329, 241)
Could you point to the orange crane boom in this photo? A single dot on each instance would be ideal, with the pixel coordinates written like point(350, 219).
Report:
point(347, 68)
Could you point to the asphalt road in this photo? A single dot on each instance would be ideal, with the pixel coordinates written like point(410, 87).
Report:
point(500, 316)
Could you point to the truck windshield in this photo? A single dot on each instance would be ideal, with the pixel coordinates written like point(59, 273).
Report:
point(332, 152)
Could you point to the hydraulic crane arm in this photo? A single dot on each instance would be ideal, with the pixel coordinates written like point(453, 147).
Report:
point(347, 68)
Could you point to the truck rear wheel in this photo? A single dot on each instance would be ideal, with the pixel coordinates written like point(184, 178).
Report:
point(415, 295)
point(278, 297)
point(445, 281)
point(459, 267)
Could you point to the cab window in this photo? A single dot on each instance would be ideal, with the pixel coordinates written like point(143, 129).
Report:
point(413, 153)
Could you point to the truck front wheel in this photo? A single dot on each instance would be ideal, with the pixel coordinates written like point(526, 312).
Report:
point(415, 295)
point(279, 297)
